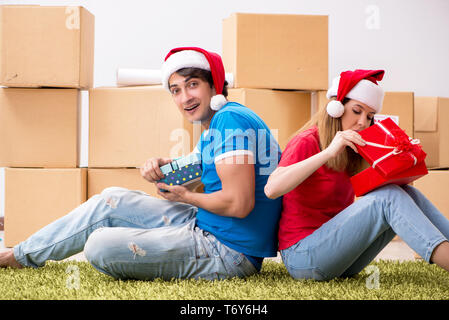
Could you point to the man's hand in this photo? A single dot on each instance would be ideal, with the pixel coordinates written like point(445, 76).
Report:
point(175, 193)
point(235, 199)
point(194, 186)
point(151, 171)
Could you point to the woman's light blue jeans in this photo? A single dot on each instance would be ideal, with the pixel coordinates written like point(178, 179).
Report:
point(347, 243)
point(131, 235)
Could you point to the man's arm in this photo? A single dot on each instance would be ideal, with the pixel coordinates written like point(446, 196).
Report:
point(235, 199)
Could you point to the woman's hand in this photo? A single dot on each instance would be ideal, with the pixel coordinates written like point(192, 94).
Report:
point(151, 171)
point(343, 139)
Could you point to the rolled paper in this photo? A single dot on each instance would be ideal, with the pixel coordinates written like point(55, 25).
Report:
point(136, 77)
point(140, 77)
point(230, 79)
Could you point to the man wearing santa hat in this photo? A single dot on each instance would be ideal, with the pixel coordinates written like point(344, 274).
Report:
point(221, 233)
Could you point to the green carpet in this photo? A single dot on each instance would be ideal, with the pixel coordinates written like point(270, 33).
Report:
point(79, 280)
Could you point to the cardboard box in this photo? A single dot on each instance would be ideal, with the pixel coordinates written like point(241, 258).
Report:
point(129, 125)
point(276, 51)
point(318, 101)
point(129, 178)
point(396, 105)
point(36, 197)
point(284, 112)
point(39, 127)
point(46, 46)
point(400, 106)
point(431, 128)
point(434, 186)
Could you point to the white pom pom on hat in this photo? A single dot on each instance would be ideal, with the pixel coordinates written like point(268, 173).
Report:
point(217, 102)
point(194, 57)
point(360, 85)
point(335, 108)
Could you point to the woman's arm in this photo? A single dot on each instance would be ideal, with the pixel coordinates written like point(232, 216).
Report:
point(235, 199)
point(285, 179)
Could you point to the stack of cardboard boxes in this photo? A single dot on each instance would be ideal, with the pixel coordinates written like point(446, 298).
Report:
point(278, 61)
point(46, 59)
point(432, 129)
point(128, 125)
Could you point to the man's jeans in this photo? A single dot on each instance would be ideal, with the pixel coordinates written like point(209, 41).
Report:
point(131, 235)
point(348, 242)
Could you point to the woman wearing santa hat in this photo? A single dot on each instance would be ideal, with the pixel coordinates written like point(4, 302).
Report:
point(323, 233)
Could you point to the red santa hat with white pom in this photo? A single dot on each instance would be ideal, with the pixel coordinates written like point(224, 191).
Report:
point(360, 85)
point(194, 57)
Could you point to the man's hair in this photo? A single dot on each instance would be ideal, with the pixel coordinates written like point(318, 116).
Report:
point(202, 74)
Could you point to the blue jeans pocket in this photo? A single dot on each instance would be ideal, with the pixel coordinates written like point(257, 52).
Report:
point(229, 262)
point(299, 265)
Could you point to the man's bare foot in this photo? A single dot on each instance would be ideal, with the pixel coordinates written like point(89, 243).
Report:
point(7, 259)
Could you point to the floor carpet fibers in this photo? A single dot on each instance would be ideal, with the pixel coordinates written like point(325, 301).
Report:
point(78, 280)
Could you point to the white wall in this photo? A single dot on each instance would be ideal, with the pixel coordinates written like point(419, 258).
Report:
point(407, 38)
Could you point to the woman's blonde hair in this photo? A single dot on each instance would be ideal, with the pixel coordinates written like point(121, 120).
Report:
point(328, 127)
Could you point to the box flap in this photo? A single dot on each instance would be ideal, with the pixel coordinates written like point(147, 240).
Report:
point(426, 114)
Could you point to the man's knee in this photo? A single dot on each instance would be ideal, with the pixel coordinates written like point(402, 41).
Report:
point(112, 192)
point(94, 247)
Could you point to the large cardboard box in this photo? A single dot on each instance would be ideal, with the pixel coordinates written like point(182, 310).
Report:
point(276, 51)
point(434, 186)
point(397, 105)
point(129, 125)
point(432, 129)
point(318, 100)
point(39, 127)
point(36, 197)
point(46, 46)
point(284, 112)
point(400, 106)
point(129, 178)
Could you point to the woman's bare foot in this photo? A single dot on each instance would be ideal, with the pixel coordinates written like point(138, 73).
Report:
point(7, 259)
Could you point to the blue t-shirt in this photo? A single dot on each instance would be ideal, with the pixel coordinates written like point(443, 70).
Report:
point(236, 130)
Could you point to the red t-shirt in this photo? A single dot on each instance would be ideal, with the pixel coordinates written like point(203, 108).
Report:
point(317, 199)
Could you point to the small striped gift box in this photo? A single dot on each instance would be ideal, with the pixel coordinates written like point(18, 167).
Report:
point(182, 171)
